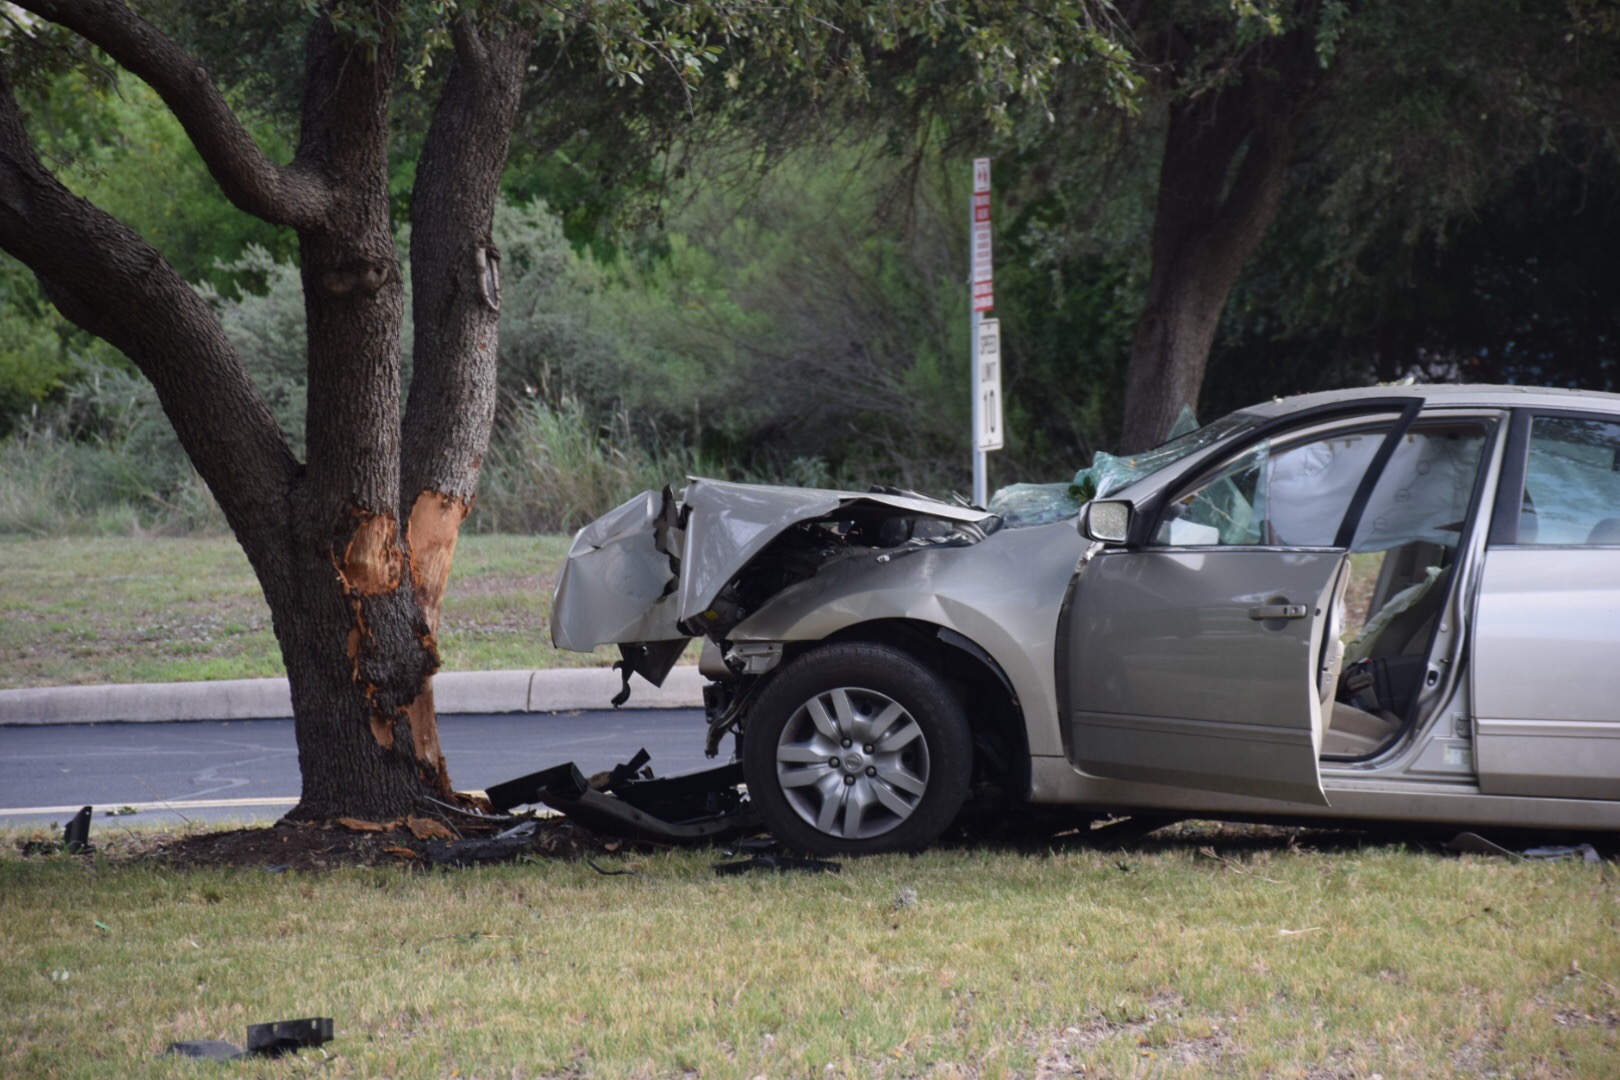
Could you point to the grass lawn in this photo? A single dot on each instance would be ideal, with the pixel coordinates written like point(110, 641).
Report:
point(1210, 953)
point(165, 609)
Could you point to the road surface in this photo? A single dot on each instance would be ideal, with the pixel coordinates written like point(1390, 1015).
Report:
point(247, 770)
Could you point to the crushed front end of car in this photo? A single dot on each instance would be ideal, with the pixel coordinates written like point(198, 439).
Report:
point(662, 569)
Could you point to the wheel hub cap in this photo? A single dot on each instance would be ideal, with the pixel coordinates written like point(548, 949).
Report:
point(853, 763)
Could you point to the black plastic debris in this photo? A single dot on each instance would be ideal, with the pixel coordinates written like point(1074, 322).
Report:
point(285, 1036)
point(1557, 852)
point(477, 852)
point(502, 847)
point(1469, 843)
point(773, 860)
point(764, 855)
point(630, 801)
point(76, 836)
point(263, 1040)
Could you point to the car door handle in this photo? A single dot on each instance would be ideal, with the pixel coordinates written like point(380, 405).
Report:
point(1279, 611)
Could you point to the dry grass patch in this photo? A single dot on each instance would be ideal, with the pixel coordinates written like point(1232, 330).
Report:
point(1156, 960)
point(177, 609)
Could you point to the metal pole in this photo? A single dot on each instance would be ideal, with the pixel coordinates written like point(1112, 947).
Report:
point(979, 456)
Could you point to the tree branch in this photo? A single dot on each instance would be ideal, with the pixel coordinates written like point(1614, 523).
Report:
point(454, 263)
point(104, 277)
point(281, 195)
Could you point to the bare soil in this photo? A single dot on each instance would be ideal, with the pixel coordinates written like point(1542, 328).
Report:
point(327, 845)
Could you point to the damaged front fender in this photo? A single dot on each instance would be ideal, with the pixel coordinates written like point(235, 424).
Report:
point(618, 584)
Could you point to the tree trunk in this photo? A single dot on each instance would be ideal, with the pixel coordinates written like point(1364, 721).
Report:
point(1221, 179)
point(353, 562)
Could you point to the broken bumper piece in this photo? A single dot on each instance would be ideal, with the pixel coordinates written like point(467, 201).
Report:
point(630, 802)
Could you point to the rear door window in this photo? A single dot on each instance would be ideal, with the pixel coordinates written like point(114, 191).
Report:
point(1571, 483)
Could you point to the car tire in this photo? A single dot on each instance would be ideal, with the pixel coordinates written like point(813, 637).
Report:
point(857, 749)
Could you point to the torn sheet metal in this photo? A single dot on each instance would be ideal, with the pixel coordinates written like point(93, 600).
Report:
point(729, 524)
point(646, 569)
point(617, 585)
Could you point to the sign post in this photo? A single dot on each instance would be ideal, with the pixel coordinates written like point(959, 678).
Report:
point(986, 379)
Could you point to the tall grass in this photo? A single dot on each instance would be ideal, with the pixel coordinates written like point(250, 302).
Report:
point(51, 485)
point(551, 469)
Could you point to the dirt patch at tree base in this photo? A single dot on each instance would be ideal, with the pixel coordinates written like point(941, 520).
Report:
point(329, 845)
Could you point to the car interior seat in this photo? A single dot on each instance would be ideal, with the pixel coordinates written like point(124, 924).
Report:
point(1375, 691)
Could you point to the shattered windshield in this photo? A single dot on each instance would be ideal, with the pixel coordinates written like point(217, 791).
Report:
point(1109, 474)
point(1020, 505)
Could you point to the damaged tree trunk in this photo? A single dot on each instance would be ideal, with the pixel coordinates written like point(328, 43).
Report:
point(1226, 156)
point(352, 547)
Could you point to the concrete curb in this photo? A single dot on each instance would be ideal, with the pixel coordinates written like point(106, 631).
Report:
point(558, 690)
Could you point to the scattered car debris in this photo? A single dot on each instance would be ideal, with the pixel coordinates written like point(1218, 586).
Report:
point(285, 1036)
point(263, 1040)
point(212, 1049)
point(475, 852)
point(1469, 843)
point(765, 855)
point(76, 836)
point(771, 860)
point(1555, 852)
point(628, 800)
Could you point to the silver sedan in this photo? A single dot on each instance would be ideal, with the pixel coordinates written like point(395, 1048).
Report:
point(1390, 604)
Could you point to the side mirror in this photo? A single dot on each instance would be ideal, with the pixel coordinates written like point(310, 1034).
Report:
point(1107, 522)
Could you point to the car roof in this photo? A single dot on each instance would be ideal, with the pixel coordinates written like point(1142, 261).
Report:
point(1457, 394)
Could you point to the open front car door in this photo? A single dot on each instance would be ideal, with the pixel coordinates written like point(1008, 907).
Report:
point(1206, 652)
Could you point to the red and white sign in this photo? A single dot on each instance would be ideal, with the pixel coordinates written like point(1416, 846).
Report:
point(981, 251)
point(984, 296)
point(984, 293)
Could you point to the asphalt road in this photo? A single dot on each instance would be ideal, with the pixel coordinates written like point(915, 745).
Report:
point(247, 770)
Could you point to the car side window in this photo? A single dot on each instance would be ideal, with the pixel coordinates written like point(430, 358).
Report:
point(1289, 494)
point(1571, 483)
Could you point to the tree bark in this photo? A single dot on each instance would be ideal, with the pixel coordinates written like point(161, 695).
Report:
point(353, 547)
point(456, 299)
point(1221, 179)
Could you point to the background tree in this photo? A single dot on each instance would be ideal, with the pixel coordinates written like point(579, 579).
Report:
point(1379, 126)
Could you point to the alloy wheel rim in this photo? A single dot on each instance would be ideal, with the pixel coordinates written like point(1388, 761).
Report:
point(853, 763)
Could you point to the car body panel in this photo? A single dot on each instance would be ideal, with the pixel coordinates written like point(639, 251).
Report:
point(1174, 678)
point(1057, 781)
point(1549, 617)
point(1013, 618)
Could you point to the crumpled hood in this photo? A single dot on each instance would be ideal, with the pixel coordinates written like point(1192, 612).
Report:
point(639, 572)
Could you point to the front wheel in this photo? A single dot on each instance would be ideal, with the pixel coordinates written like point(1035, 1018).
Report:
point(857, 748)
